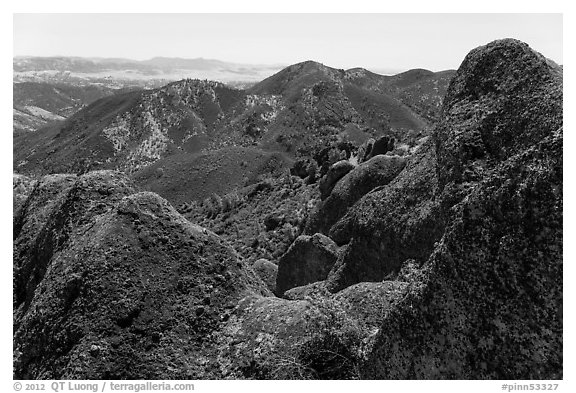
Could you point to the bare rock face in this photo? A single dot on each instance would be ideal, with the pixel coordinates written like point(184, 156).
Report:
point(489, 302)
point(309, 259)
point(335, 173)
point(373, 173)
point(113, 284)
point(267, 271)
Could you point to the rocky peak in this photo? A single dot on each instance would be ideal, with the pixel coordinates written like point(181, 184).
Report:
point(503, 98)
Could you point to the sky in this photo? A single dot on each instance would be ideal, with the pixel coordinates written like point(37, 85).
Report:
point(375, 41)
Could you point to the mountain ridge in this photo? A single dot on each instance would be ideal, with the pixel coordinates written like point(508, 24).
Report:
point(314, 102)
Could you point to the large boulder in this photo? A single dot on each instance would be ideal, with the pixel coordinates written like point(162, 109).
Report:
point(309, 259)
point(504, 98)
point(488, 303)
point(335, 173)
point(367, 303)
point(373, 173)
point(115, 284)
point(382, 145)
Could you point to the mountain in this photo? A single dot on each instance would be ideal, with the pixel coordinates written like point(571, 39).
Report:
point(300, 110)
point(146, 73)
point(445, 262)
point(128, 131)
point(351, 100)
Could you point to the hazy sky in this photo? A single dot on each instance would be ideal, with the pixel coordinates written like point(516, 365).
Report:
point(376, 41)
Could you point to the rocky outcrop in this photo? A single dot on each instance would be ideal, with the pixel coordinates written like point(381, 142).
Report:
point(488, 302)
point(321, 336)
point(266, 338)
point(367, 303)
point(110, 283)
point(382, 145)
point(308, 259)
point(364, 150)
point(375, 172)
point(398, 221)
point(335, 173)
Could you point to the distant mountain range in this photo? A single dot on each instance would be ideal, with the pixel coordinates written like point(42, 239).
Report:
point(156, 71)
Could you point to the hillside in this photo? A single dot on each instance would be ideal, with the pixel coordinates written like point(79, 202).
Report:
point(128, 131)
point(191, 177)
point(37, 104)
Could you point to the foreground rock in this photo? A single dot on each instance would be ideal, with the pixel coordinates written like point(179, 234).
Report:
point(493, 287)
point(320, 337)
point(489, 304)
point(112, 284)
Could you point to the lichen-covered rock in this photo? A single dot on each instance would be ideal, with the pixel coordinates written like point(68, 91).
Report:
point(488, 303)
point(503, 99)
point(115, 284)
point(375, 172)
point(264, 337)
point(267, 271)
point(57, 206)
point(321, 336)
point(309, 259)
point(368, 302)
point(335, 173)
